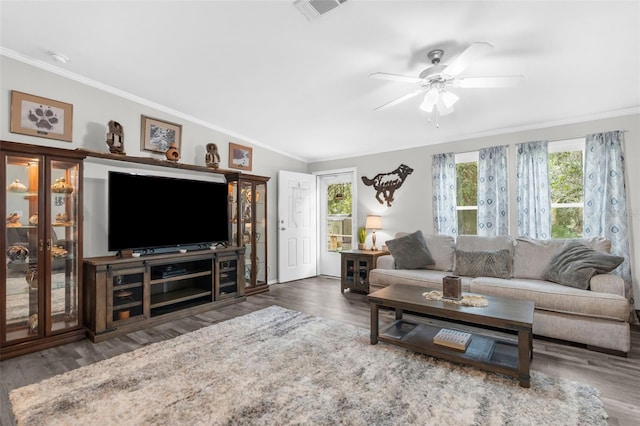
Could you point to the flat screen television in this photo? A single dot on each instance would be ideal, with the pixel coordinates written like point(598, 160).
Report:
point(157, 214)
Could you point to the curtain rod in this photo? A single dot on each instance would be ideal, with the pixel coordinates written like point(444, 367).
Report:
point(578, 137)
point(553, 140)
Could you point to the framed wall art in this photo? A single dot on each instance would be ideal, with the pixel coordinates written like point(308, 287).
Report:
point(240, 157)
point(158, 135)
point(36, 116)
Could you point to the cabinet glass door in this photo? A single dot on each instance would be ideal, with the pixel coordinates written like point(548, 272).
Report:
point(246, 227)
point(363, 271)
point(227, 277)
point(126, 288)
point(349, 270)
point(64, 178)
point(260, 233)
point(233, 214)
point(21, 293)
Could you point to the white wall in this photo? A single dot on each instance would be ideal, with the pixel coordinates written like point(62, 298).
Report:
point(93, 108)
point(412, 208)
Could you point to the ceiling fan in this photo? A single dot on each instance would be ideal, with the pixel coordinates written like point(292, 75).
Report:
point(435, 80)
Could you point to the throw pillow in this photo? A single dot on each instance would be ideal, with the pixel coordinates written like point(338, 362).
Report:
point(411, 252)
point(483, 263)
point(441, 247)
point(443, 250)
point(481, 243)
point(577, 263)
point(532, 257)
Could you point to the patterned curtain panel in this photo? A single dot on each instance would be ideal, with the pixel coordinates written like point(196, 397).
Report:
point(493, 194)
point(445, 215)
point(605, 202)
point(533, 199)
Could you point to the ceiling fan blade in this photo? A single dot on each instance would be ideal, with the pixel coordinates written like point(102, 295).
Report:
point(395, 77)
point(484, 82)
point(400, 99)
point(465, 58)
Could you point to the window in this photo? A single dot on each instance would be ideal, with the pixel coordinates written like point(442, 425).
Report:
point(566, 165)
point(339, 217)
point(467, 192)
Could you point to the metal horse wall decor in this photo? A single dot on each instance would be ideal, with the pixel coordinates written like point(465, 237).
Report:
point(387, 183)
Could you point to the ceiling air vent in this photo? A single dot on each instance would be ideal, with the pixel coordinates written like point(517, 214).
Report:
point(313, 9)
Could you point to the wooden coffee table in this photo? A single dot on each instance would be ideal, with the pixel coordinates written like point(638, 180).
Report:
point(507, 356)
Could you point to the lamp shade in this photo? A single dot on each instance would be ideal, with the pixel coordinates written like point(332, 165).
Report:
point(448, 98)
point(430, 99)
point(373, 222)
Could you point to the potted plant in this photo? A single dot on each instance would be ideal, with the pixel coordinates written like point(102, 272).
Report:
point(362, 236)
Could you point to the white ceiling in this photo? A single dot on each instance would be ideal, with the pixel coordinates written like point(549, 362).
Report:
point(261, 71)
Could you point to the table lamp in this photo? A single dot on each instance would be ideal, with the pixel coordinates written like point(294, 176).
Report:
point(373, 222)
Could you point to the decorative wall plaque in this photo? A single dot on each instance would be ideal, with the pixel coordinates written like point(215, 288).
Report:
point(386, 184)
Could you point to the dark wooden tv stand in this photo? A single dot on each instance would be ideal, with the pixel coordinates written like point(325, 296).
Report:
point(131, 293)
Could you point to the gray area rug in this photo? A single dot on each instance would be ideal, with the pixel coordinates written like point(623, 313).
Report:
point(277, 367)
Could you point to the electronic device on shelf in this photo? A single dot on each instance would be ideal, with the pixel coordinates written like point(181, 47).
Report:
point(168, 271)
point(150, 214)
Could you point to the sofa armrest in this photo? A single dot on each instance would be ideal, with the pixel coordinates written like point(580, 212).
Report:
point(607, 283)
point(386, 261)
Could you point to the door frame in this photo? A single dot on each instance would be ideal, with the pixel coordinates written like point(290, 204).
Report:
point(321, 219)
point(299, 260)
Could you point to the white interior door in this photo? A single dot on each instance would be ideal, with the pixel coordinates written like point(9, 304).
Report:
point(297, 240)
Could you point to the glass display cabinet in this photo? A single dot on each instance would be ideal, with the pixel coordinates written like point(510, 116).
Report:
point(41, 283)
point(248, 227)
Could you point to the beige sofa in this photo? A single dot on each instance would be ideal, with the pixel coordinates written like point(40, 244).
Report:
point(597, 317)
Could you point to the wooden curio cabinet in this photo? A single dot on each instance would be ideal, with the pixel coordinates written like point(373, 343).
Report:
point(248, 227)
point(40, 280)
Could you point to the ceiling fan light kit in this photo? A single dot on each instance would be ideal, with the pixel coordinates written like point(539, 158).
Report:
point(448, 98)
point(433, 81)
point(430, 100)
point(439, 97)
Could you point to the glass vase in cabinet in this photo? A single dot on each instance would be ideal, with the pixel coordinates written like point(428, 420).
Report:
point(40, 287)
point(248, 227)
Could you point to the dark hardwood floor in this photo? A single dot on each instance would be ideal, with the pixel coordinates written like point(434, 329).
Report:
point(617, 378)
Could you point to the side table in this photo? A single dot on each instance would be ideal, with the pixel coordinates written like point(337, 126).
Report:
point(356, 265)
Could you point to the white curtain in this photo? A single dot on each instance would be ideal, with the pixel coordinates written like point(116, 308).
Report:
point(605, 205)
point(445, 215)
point(533, 199)
point(493, 196)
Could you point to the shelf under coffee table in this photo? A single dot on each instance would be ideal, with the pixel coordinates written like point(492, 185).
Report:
point(507, 356)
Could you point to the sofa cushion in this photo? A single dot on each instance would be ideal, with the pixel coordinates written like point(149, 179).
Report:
point(442, 249)
point(481, 243)
point(576, 264)
point(411, 252)
point(554, 297)
point(428, 278)
point(490, 263)
point(531, 257)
